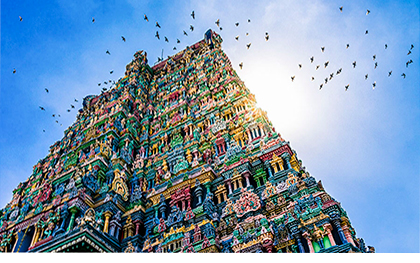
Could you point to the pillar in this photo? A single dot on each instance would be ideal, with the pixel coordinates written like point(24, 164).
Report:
point(35, 237)
point(137, 227)
point(340, 231)
point(73, 211)
point(107, 215)
point(328, 228)
point(267, 165)
point(246, 175)
point(308, 238)
point(347, 234)
point(229, 186)
point(300, 246)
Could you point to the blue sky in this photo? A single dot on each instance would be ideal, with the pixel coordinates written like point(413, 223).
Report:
point(363, 144)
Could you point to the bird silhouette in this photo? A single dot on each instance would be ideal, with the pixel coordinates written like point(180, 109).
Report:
point(293, 78)
point(53, 115)
point(341, 8)
point(191, 28)
point(312, 78)
point(42, 108)
point(174, 48)
point(246, 34)
point(72, 106)
point(386, 46)
point(166, 39)
point(104, 89)
point(300, 65)
point(412, 46)
point(123, 38)
point(68, 110)
point(236, 24)
point(43, 130)
point(354, 64)
point(185, 33)
point(157, 24)
point(331, 75)
point(249, 20)
point(409, 52)
point(192, 14)
point(76, 100)
point(317, 67)
point(108, 52)
point(145, 18)
point(106, 83)
point(47, 90)
point(320, 86)
point(347, 87)
point(311, 59)
point(322, 49)
point(93, 20)
point(326, 64)
point(367, 12)
point(267, 37)
point(99, 84)
point(376, 65)
point(111, 72)
point(14, 71)
point(20, 18)
point(408, 63)
point(241, 65)
point(248, 46)
point(177, 41)
point(237, 37)
point(326, 80)
point(403, 75)
point(389, 73)
point(374, 84)
point(366, 32)
point(347, 46)
point(374, 57)
point(366, 76)
point(338, 71)
point(217, 22)
point(157, 35)
point(220, 28)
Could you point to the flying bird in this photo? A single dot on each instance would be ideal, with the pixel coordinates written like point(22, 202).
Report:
point(354, 64)
point(249, 20)
point(366, 32)
point(177, 41)
point(185, 33)
point(68, 110)
point(300, 65)
point(249, 45)
point(72, 106)
point(331, 75)
point(312, 78)
point(47, 90)
point(326, 80)
point(241, 65)
point(322, 49)
point(367, 12)
point(174, 48)
point(157, 24)
point(76, 100)
point(389, 73)
point(374, 57)
point(145, 18)
point(386, 46)
point(123, 38)
point(341, 8)
point(42, 108)
point(412, 46)
point(374, 84)
point(220, 28)
point(326, 64)
point(217, 22)
point(409, 52)
point(311, 59)
point(267, 37)
point(193, 15)
point(93, 20)
point(408, 63)
point(20, 18)
point(317, 67)
point(403, 75)
point(43, 130)
point(111, 72)
point(14, 71)
point(237, 37)
point(166, 39)
point(191, 28)
point(376, 64)
point(293, 78)
point(347, 87)
point(157, 35)
point(347, 46)
point(108, 52)
point(366, 76)
point(53, 115)
point(320, 86)
point(236, 24)
point(339, 71)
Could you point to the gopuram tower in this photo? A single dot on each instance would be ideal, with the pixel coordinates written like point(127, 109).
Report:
point(175, 158)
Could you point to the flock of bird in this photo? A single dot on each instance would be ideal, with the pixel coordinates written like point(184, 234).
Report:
point(248, 45)
point(354, 63)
